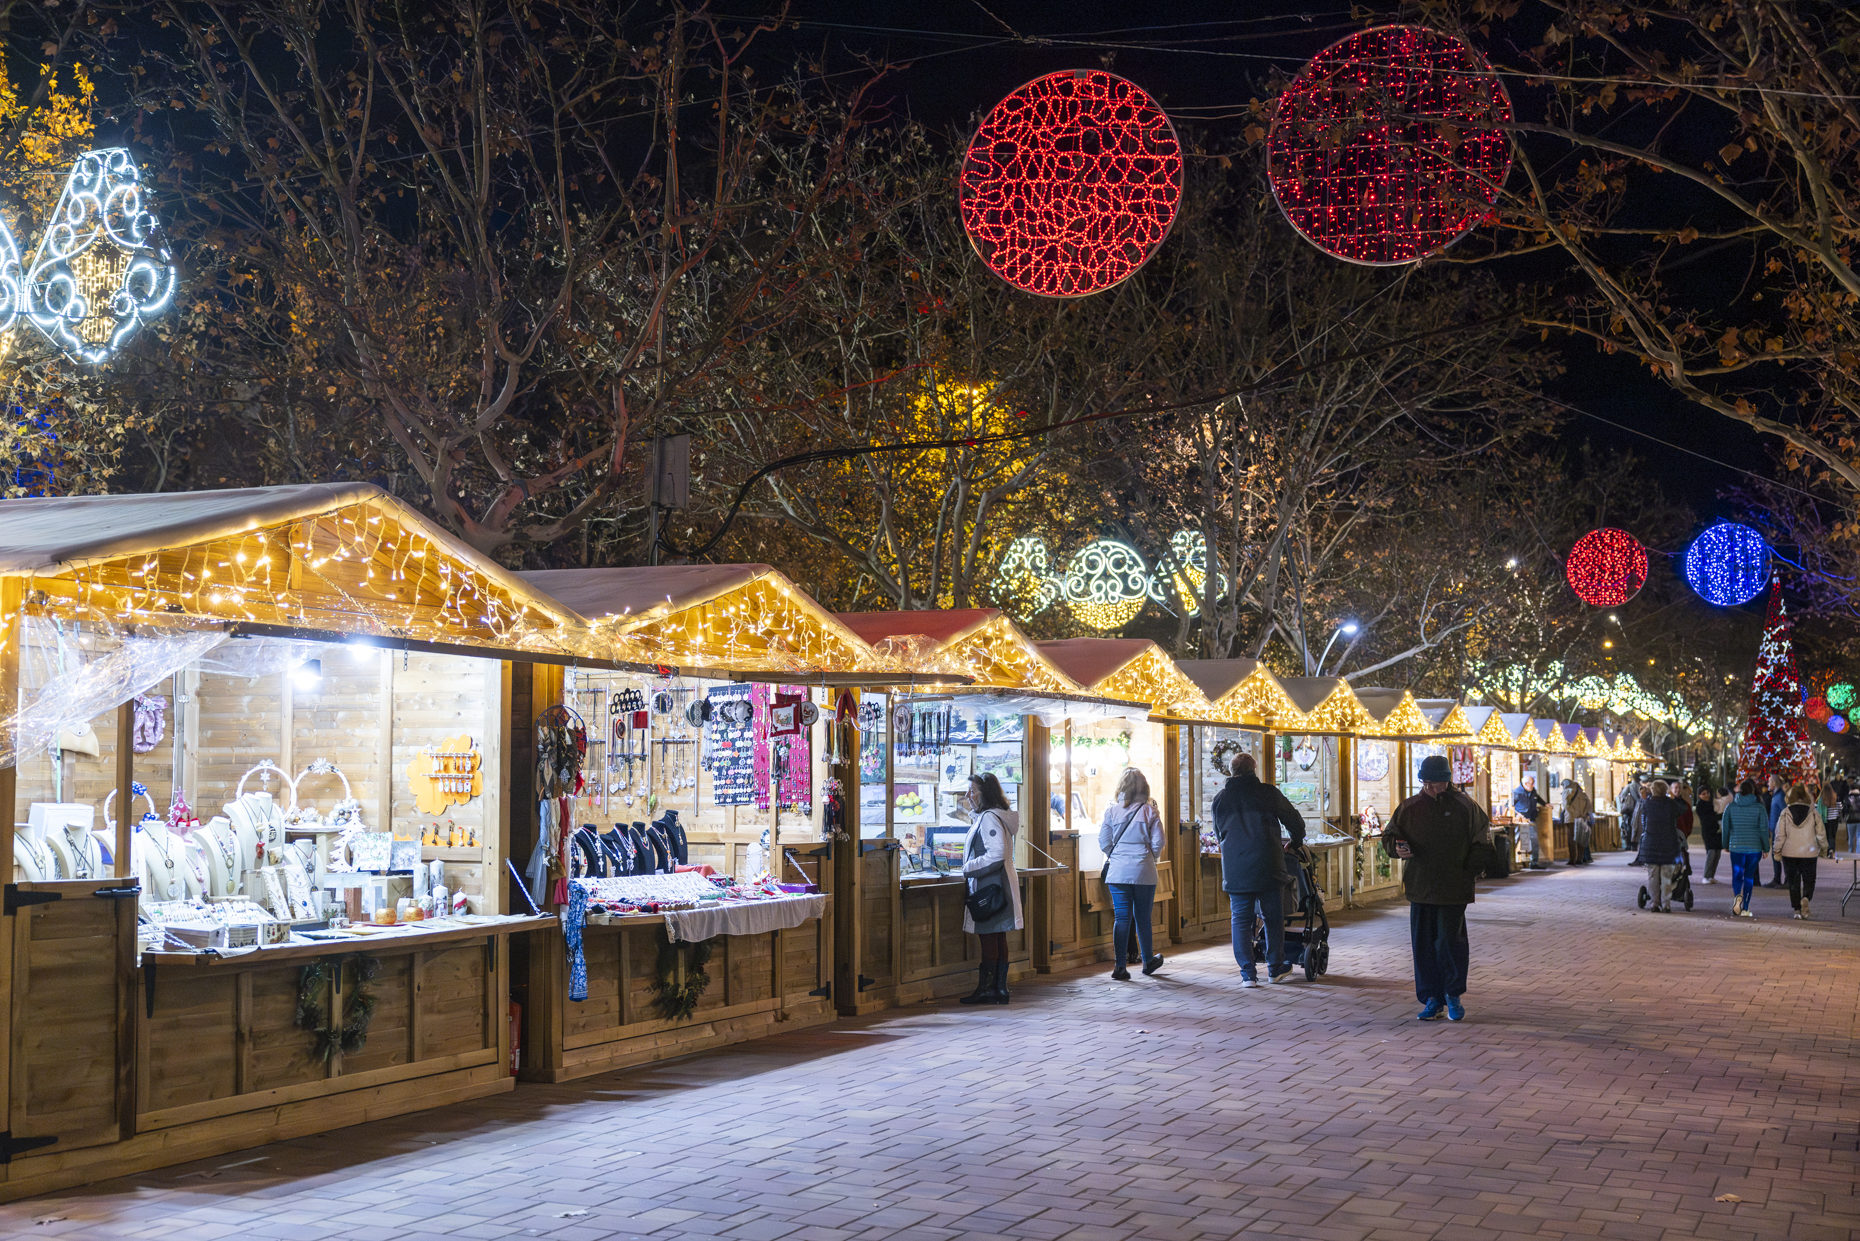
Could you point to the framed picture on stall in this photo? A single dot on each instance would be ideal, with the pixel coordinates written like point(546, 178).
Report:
point(1003, 760)
point(913, 803)
point(956, 765)
point(1007, 728)
point(968, 725)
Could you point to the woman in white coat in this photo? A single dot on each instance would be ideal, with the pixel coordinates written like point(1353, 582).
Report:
point(1801, 837)
point(988, 865)
point(1131, 839)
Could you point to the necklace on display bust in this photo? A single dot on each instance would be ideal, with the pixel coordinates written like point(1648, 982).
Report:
point(85, 858)
point(169, 880)
point(39, 854)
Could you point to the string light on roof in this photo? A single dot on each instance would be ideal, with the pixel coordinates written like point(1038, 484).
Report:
point(1390, 145)
point(1607, 567)
point(101, 268)
point(1105, 584)
point(1728, 565)
point(1071, 183)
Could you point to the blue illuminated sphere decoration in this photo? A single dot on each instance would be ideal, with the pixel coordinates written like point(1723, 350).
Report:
point(1729, 564)
point(1837, 723)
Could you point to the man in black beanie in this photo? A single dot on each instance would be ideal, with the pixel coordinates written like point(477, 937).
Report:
point(1444, 840)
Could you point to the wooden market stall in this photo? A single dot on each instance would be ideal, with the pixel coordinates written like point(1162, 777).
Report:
point(926, 740)
point(1123, 669)
point(1389, 747)
point(713, 755)
point(326, 679)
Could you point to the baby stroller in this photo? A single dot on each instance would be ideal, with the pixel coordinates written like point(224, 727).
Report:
point(1682, 882)
point(1307, 927)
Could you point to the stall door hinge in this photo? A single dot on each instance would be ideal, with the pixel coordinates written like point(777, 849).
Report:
point(865, 982)
point(826, 991)
point(10, 1145)
point(16, 898)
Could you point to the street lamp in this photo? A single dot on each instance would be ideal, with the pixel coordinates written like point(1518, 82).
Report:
point(1347, 627)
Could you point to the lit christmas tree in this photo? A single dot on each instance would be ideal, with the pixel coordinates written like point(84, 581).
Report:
point(1776, 735)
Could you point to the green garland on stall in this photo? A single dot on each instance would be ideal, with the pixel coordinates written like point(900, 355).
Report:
point(677, 1002)
point(358, 1008)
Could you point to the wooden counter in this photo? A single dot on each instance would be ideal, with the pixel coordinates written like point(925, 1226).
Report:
point(759, 984)
point(209, 1055)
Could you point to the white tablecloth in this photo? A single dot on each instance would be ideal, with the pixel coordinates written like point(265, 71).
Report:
point(746, 918)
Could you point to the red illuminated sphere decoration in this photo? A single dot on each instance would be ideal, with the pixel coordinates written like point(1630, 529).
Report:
point(1817, 709)
point(1388, 146)
point(1071, 183)
point(1607, 567)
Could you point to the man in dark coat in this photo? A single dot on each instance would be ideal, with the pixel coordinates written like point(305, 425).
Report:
point(1445, 841)
point(1247, 816)
point(1656, 821)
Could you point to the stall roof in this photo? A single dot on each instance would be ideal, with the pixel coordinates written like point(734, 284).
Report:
point(1328, 704)
point(728, 617)
point(981, 643)
point(333, 558)
point(1394, 712)
point(1447, 716)
point(1244, 693)
point(1130, 668)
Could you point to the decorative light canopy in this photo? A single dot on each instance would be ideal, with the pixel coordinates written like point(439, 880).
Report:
point(1389, 145)
point(1105, 584)
point(1071, 183)
point(1729, 564)
point(1607, 567)
point(101, 269)
point(1841, 695)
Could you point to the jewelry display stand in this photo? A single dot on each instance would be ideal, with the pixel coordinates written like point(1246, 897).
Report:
point(67, 834)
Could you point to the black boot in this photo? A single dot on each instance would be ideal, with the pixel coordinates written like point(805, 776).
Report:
point(1000, 995)
point(984, 992)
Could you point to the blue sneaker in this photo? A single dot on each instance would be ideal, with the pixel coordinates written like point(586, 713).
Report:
point(1456, 1011)
point(1433, 1011)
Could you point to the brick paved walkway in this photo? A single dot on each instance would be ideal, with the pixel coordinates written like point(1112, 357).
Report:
point(1618, 1072)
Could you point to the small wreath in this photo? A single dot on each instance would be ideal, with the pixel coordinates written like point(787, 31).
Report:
point(674, 1001)
point(1224, 752)
point(358, 1009)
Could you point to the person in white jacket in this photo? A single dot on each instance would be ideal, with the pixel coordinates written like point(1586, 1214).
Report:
point(988, 865)
point(1801, 837)
point(1131, 839)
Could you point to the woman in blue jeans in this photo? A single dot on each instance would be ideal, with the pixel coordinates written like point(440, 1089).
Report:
point(1131, 838)
point(1746, 830)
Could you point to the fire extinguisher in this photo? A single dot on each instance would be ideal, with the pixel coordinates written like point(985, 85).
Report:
point(516, 1037)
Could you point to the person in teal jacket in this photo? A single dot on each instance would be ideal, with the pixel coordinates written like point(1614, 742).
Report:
point(1746, 838)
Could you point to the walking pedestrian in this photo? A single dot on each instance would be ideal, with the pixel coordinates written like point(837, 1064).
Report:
point(1576, 812)
point(1247, 817)
point(1800, 835)
point(1746, 839)
point(1777, 800)
point(1445, 839)
point(1625, 805)
point(1527, 805)
point(1131, 838)
point(1711, 830)
point(1661, 844)
point(988, 865)
point(1851, 815)
point(1838, 791)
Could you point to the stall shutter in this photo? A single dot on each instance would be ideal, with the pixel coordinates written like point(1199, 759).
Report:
point(73, 946)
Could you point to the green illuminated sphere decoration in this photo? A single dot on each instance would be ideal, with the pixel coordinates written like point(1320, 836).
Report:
point(1841, 695)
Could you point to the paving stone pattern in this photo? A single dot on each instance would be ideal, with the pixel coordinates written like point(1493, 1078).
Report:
point(1618, 1072)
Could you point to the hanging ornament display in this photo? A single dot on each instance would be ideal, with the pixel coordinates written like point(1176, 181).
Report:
point(1607, 567)
point(1105, 584)
point(1071, 183)
point(1837, 723)
point(1389, 146)
point(1188, 549)
point(1024, 577)
point(101, 268)
point(1775, 734)
point(1728, 564)
point(1372, 761)
point(1841, 695)
point(1817, 709)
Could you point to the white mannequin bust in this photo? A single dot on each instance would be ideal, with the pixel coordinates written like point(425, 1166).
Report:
point(79, 854)
point(249, 827)
point(32, 856)
point(219, 848)
point(162, 861)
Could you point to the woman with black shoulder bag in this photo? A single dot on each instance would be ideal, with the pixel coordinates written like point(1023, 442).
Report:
point(991, 907)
